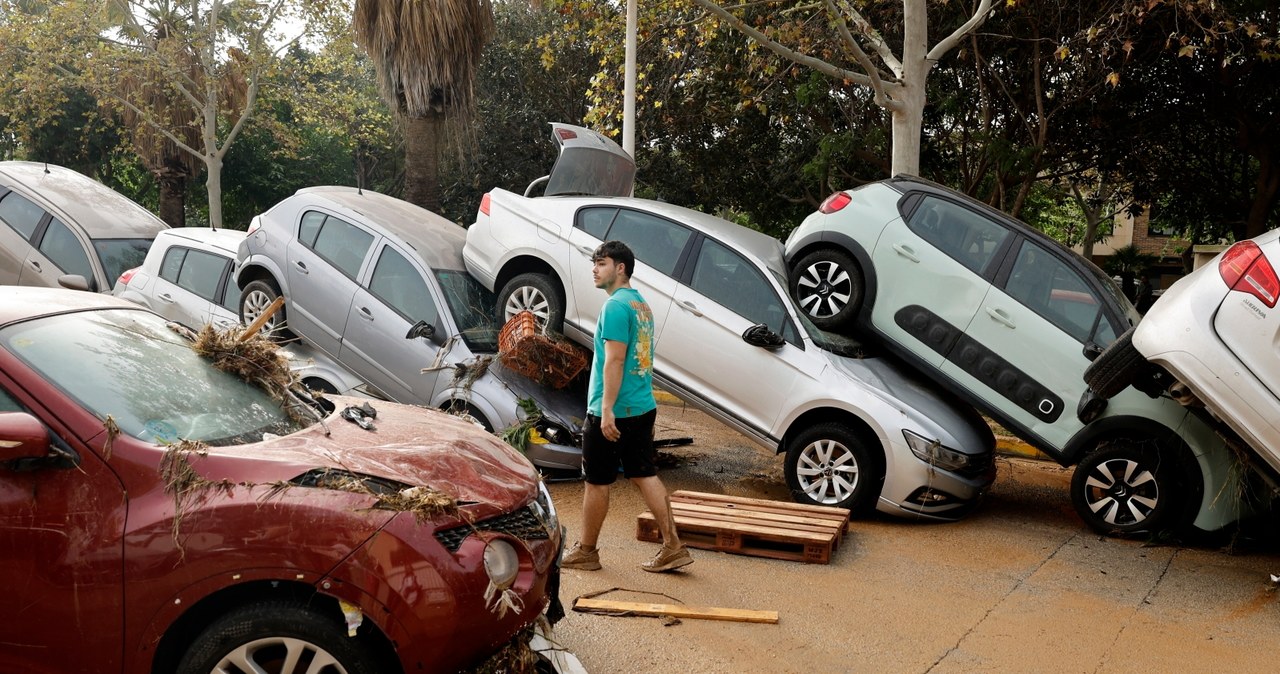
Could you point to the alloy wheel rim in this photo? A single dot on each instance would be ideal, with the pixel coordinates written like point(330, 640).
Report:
point(824, 289)
point(827, 471)
point(254, 304)
point(528, 298)
point(1122, 492)
point(279, 655)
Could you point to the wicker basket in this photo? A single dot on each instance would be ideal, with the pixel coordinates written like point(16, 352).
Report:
point(549, 361)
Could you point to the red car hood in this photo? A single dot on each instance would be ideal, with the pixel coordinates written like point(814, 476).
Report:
point(413, 445)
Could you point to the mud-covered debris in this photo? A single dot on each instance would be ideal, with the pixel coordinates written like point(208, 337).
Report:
point(424, 502)
point(515, 657)
point(113, 430)
point(181, 480)
point(256, 359)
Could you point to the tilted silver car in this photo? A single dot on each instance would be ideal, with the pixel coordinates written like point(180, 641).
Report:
point(1008, 319)
point(857, 432)
point(61, 228)
point(378, 285)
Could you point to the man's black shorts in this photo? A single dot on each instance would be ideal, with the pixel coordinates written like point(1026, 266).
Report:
point(633, 449)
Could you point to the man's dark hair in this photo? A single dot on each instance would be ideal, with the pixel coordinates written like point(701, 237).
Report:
point(618, 252)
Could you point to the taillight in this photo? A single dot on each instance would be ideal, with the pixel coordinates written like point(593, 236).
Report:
point(1245, 268)
point(127, 276)
point(484, 203)
point(254, 225)
point(835, 202)
point(566, 134)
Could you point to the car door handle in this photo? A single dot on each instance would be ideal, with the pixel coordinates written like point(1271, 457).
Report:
point(905, 251)
point(302, 266)
point(999, 316)
point(165, 297)
point(366, 314)
point(586, 251)
point(690, 307)
point(35, 265)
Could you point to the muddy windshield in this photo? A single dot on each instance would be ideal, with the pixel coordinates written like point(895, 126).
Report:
point(128, 364)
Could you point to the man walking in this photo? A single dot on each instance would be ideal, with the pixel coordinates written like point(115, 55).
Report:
point(620, 415)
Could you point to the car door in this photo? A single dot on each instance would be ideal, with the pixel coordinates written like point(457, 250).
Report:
point(322, 266)
point(933, 268)
point(20, 218)
point(704, 351)
point(658, 244)
point(191, 287)
point(374, 346)
point(61, 529)
point(58, 251)
point(1024, 351)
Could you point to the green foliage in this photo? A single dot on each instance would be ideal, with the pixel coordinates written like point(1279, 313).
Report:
point(517, 435)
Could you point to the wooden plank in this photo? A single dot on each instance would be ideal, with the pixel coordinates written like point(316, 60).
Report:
point(721, 540)
point(796, 521)
point(826, 512)
point(761, 530)
point(676, 610)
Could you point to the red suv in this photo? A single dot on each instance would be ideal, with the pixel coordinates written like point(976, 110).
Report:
point(158, 514)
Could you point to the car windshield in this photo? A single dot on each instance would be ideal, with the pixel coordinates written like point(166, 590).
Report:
point(471, 305)
point(130, 366)
point(117, 255)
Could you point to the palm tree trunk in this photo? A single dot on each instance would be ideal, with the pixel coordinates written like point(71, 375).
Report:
point(173, 195)
point(422, 160)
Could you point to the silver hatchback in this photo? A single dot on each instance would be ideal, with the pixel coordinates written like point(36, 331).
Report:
point(378, 284)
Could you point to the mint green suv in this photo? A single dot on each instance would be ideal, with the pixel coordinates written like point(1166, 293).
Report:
point(1008, 319)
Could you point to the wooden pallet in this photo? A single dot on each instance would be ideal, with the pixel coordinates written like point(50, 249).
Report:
point(750, 526)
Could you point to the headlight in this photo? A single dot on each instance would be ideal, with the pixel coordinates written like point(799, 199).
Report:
point(501, 563)
point(545, 509)
point(934, 453)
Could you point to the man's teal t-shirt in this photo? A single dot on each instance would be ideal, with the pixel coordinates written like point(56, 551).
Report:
point(625, 317)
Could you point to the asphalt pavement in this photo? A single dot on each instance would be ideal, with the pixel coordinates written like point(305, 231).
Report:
point(1021, 585)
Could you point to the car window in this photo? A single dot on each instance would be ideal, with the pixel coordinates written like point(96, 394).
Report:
point(596, 221)
point(1052, 289)
point(20, 214)
point(471, 305)
point(726, 277)
point(8, 404)
point(117, 255)
point(397, 282)
point(64, 249)
point(202, 272)
point(655, 241)
point(172, 263)
point(310, 227)
point(969, 238)
point(342, 244)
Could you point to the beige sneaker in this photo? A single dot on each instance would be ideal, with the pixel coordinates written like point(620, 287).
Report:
point(668, 559)
point(583, 560)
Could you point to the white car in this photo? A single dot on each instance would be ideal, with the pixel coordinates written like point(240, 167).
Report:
point(857, 432)
point(377, 284)
point(62, 228)
point(1210, 340)
point(186, 277)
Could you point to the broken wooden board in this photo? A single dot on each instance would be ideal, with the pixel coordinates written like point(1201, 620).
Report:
point(748, 526)
point(674, 610)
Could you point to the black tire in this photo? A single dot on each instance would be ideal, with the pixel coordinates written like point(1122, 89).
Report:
point(1128, 487)
point(459, 408)
point(535, 292)
point(829, 286)
point(828, 465)
point(254, 299)
point(1116, 368)
point(261, 633)
point(321, 385)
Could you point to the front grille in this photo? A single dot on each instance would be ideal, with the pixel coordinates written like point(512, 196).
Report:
point(522, 524)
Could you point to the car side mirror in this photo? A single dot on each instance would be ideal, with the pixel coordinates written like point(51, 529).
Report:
point(426, 331)
point(760, 335)
point(1092, 351)
point(74, 282)
point(24, 441)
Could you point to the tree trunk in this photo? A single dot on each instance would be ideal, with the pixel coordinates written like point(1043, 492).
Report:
point(910, 93)
point(214, 184)
point(1264, 196)
point(173, 196)
point(422, 161)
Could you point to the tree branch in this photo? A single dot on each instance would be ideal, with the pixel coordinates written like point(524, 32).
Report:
point(873, 73)
point(949, 43)
point(871, 35)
